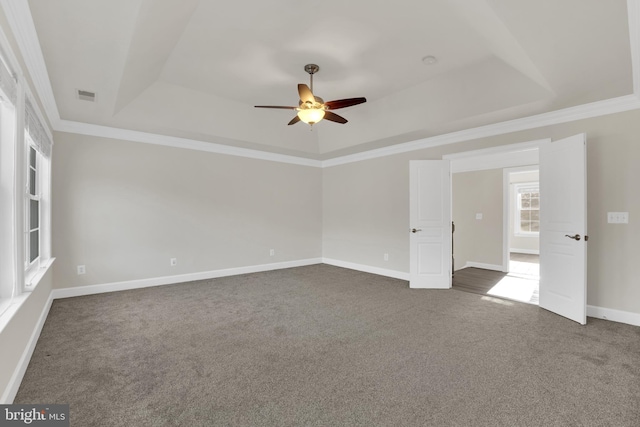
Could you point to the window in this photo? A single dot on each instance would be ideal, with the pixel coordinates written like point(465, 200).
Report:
point(32, 209)
point(9, 286)
point(25, 187)
point(37, 145)
point(527, 218)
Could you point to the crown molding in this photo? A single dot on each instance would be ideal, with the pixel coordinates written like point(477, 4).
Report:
point(172, 141)
point(633, 13)
point(581, 112)
point(586, 111)
point(23, 28)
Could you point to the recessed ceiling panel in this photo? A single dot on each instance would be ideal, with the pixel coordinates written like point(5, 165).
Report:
point(196, 68)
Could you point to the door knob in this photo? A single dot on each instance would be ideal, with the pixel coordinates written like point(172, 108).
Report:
point(576, 237)
point(415, 230)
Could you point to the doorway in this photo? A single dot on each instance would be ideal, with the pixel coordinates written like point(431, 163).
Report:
point(563, 227)
point(490, 257)
point(479, 199)
point(522, 228)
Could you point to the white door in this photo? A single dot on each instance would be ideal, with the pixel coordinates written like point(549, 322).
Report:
point(563, 227)
point(430, 224)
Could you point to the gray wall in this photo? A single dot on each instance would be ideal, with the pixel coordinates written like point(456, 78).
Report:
point(477, 240)
point(123, 209)
point(366, 205)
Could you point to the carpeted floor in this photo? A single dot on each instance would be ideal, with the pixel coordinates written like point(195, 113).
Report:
point(325, 346)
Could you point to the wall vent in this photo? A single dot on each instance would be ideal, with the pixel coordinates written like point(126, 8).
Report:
point(85, 95)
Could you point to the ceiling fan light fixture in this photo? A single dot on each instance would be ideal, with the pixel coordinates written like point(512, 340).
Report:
point(311, 115)
point(312, 109)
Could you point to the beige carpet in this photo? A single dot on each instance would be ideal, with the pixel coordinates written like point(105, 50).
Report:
point(325, 346)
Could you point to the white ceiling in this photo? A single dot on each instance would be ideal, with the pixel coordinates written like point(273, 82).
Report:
point(195, 68)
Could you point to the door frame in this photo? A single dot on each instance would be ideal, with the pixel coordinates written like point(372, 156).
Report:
point(510, 156)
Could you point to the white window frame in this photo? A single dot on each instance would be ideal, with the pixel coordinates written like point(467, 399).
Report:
point(31, 266)
point(23, 128)
point(517, 225)
point(40, 141)
point(9, 287)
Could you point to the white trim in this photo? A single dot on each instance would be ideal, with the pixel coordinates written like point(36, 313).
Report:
point(619, 316)
point(171, 141)
point(499, 149)
point(503, 156)
point(18, 373)
point(506, 233)
point(367, 269)
point(180, 278)
point(8, 55)
point(522, 156)
point(23, 28)
point(585, 111)
point(525, 251)
point(13, 305)
point(633, 14)
point(494, 267)
point(24, 31)
point(580, 112)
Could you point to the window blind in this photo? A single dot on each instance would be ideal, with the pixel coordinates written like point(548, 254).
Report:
point(36, 130)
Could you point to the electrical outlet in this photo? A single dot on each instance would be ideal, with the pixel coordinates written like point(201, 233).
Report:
point(478, 216)
point(272, 252)
point(173, 262)
point(81, 269)
point(386, 257)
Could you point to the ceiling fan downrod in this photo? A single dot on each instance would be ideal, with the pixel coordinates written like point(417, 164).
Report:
point(311, 69)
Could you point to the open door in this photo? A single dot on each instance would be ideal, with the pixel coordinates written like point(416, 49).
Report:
point(563, 228)
point(430, 222)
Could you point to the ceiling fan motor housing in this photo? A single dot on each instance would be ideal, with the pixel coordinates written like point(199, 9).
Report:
point(311, 68)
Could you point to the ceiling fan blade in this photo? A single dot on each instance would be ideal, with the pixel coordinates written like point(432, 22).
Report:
point(305, 93)
point(295, 120)
point(328, 115)
point(342, 103)
point(276, 106)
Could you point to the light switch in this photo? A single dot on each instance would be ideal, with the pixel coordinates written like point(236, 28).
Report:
point(478, 216)
point(618, 217)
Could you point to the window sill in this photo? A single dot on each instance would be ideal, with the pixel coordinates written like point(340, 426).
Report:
point(8, 308)
point(33, 278)
point(526, 234)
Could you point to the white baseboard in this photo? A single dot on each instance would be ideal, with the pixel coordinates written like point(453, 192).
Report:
point(484, 266)
point(367, 269)
point(526, 251)
point(614, 315)
point(10, 392)
point(168, 280)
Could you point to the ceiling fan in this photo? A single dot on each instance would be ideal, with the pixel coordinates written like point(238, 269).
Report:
point(311, 109)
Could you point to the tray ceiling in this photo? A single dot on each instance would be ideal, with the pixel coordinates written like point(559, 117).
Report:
point(195, 68)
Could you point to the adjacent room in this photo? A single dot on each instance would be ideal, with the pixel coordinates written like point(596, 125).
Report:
point(496, 238)
point(349, 214)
